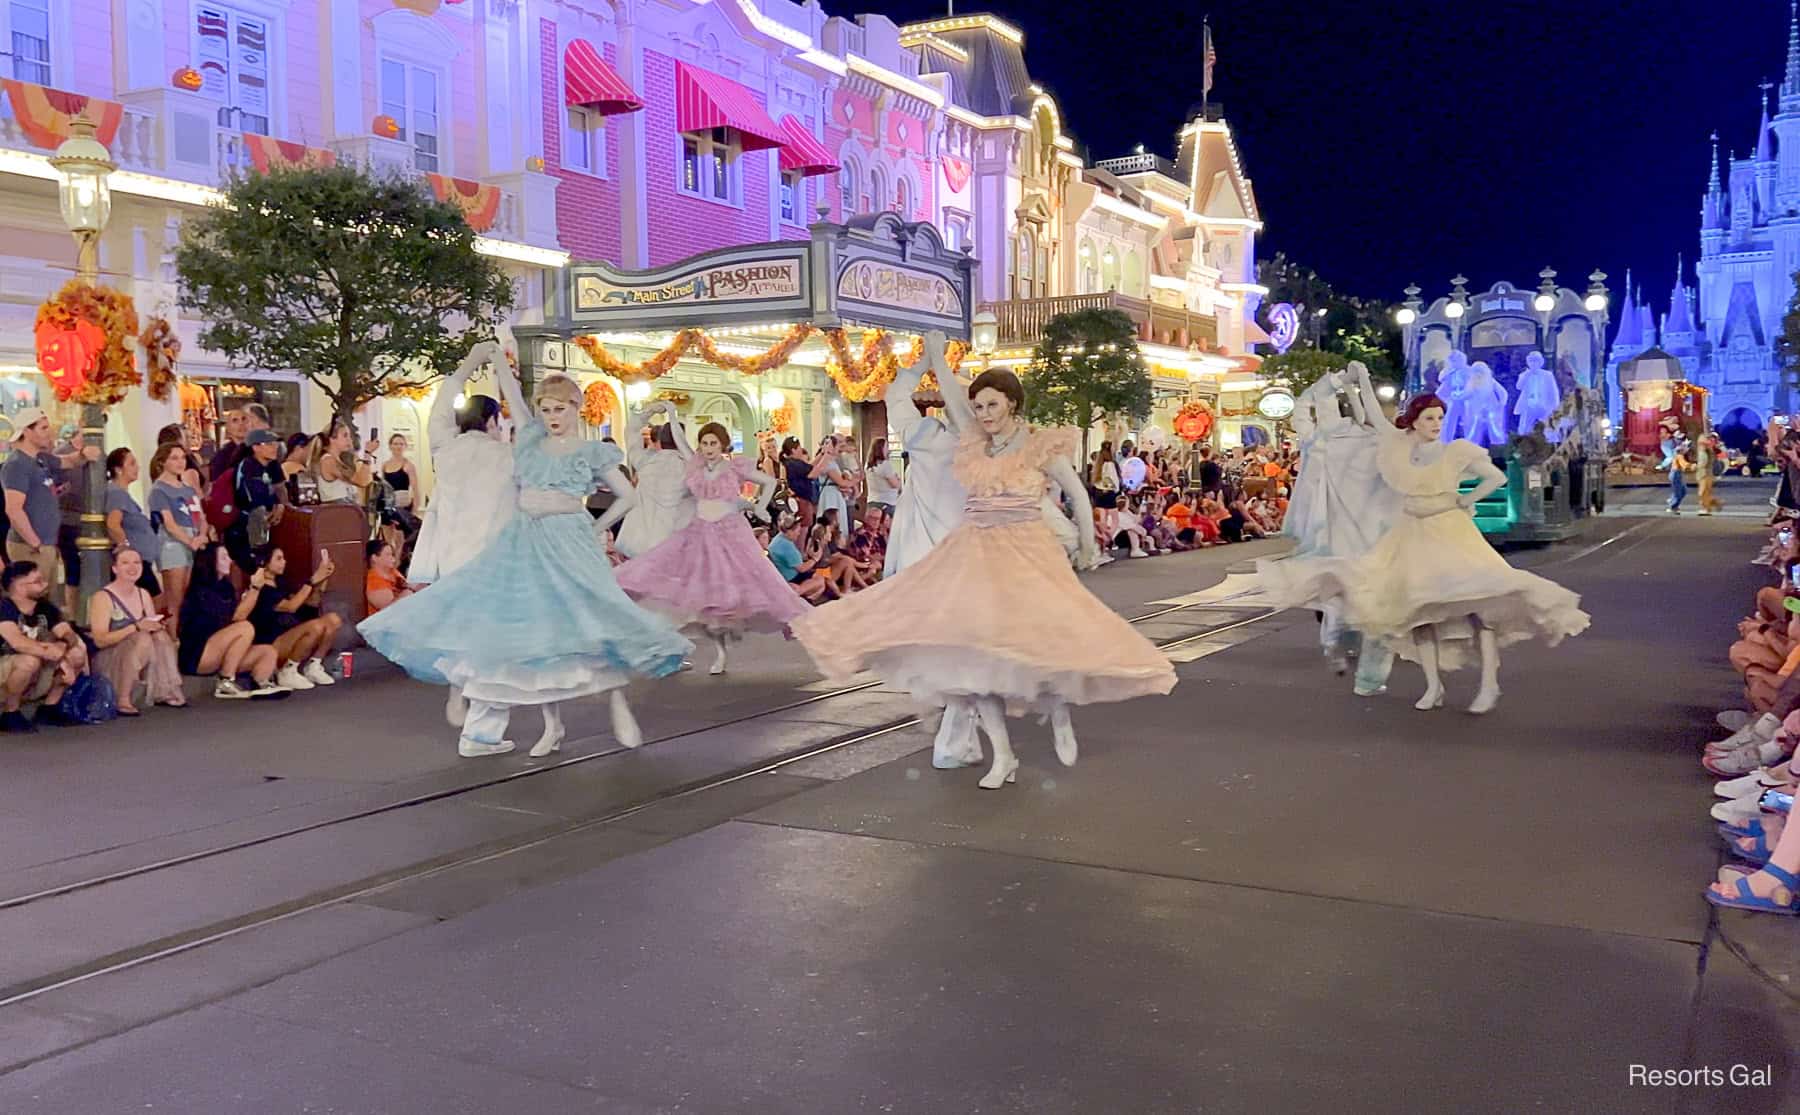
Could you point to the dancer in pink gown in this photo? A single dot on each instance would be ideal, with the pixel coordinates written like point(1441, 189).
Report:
point(993, 617)
point(711, 575)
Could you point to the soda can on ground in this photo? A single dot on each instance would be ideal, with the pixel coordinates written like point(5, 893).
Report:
point(346, 664)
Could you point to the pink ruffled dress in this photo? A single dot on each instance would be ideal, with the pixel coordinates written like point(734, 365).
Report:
point(713, 574)
point(994, 610)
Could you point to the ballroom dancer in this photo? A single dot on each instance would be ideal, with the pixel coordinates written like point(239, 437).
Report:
point(993, 617)
point(473, 491)
point(536, 618)
point(1432, 586)
point(664, 504)
point(711, 575)
point(1340, 508)
point(931, 500)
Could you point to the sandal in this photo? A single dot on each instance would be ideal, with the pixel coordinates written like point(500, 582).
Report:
point(1758, 855)
point(130, 712)
point(1745, 899)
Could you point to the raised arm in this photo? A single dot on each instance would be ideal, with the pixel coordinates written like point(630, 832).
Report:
point(677, 430)
point(625, 497)
point(1061, 472)
point(442, 423)
point(509, 386)
point(1372, 413)
point(956, 398)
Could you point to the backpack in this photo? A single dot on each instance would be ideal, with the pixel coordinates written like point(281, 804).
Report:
point(90, 700)
point(220, 504)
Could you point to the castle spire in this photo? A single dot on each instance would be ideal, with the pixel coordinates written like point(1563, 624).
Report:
point(1712, 181)
point(1680, 318)
point(1765, 146)
point(1791, 87)
point(1631, 333)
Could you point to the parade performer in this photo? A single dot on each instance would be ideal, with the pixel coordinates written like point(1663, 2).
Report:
point(536, 618)
point(1433, 585)
point(474, 492)
point(1539, 396)
point(1340, 508)
point(931, 501)
point(711, 575)
point(664, 504)
point(993, 618)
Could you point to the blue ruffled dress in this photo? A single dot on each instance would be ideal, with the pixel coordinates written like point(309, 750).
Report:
point(537, 617)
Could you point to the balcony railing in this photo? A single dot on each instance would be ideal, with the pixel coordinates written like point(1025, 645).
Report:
point(133, 146)
point(1021, 321)
point(1140, 164)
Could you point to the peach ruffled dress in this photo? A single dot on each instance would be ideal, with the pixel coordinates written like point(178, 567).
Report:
point(994, 610)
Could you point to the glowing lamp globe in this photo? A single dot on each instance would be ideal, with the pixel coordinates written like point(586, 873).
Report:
point(984, 332)
point(1595, 303)
point(1454, 310)
point(1544, 303)
point(1386, 392)
point(772, 399)
point(83, 163)
point(1405, 315)
point(637, 392)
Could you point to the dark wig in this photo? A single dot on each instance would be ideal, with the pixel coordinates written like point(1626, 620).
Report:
point(476, 412)
point(1416, 406)
point(1002, 381)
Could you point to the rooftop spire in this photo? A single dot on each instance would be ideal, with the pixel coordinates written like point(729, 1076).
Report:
point(1791, 87)
point(1765, 147)
point(1712, 181)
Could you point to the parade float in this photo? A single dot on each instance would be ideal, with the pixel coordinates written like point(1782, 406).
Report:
point(1519, 372)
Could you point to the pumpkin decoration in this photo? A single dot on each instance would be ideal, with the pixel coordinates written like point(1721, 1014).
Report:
point(1194, 421)
point(93, 364)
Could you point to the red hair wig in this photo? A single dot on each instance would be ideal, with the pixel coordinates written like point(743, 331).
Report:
point(1416, 406)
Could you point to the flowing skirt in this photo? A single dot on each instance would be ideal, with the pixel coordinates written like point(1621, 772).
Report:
point(992, 611)
point(1434, 571)
point(713, 575)
point(536, 618)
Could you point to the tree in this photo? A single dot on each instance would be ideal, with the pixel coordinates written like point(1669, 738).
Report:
point(1086, 368)
point(1787, 345)
point(1358, 328)
point(362, 284)
point(1300, 368)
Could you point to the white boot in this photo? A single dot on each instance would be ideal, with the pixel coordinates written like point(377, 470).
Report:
point(552, 739)
point(993, 722)
point(718, 666)
point(1425, 639)
point(625, 726)
point(956, 744)
point(1064, 733)
point(1489, 694)
point(456, 709)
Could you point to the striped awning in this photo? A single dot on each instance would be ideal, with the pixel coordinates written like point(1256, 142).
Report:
point(801, 152)
point(44, 114)
point(588, 82)
point(704, 101)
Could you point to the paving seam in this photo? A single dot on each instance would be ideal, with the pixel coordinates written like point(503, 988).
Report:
point(1153, 874)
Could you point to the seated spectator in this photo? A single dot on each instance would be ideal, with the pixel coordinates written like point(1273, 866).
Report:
point(383, 584)
point(828, 549)
point(1129, 528)
point(132, 639)
point(784, 551)
point(217, 636)
point(868, 546)
point(42, 655)
point(1243, 521)
point(292, 622)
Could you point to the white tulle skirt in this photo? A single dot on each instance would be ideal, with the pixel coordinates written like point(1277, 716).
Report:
point(1437, 571)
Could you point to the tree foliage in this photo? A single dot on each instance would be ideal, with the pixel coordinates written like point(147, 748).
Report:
point(1087, 367)
point(359, 283)
point(1300, 368)
point(1358, 328)
point(1787, 345)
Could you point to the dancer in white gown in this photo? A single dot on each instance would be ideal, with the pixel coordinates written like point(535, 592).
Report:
point(1340, 508)
point(474, 492)
point(664, 504)
point(931, 501)
point(1433, 587)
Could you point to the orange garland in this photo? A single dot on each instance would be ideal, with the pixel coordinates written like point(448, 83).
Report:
point(783, 419)
point(598, 404)
point(111, 370)
point(161, 348)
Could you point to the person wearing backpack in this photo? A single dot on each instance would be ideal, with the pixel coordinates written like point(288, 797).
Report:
point(254, 506)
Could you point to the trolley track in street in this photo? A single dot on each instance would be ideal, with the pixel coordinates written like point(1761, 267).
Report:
point(175, 944)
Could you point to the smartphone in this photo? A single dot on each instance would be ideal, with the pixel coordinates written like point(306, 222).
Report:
point(324, 557)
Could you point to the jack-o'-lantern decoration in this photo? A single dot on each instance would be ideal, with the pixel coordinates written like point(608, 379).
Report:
point(1194, 422)
point(187, 78)
point(67, 353)
point(385, 126)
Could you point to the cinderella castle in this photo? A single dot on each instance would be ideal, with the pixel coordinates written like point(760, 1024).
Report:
point(1723, 335)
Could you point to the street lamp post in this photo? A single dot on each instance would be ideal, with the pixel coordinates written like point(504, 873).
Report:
point(84, 165)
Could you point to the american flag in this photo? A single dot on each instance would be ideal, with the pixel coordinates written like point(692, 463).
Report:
point(1211, 56)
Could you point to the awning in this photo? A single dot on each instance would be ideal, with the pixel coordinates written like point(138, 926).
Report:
point(1255, 334)
point(590, 83)
point(704, 101)
point(801, 152)
point(479, 202)
point(44, 114)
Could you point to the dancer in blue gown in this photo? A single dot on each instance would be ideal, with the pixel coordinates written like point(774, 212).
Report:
point(537, 618)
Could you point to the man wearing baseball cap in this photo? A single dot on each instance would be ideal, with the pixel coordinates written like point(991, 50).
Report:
point(258, 500)
point(30, 488)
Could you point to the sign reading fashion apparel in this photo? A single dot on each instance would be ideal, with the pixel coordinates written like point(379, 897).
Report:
point(765, 282)
point(889, 284)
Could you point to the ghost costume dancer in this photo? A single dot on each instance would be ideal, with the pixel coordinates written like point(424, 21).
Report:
point(664, 504)
point(472, 462)
point(931, 501)
point(711, 575)
point(993, 618)
point(1340, 508)
point(537, 618)
point(1433, 588)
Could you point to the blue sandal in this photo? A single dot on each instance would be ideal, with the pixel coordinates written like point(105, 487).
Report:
point(1758, 855)
point(1742, 832)
point(1746, 900)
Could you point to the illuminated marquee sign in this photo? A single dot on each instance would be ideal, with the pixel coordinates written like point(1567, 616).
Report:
point(1276, 403)
point(889, 284)
point(735, 282)
point(1284, 325)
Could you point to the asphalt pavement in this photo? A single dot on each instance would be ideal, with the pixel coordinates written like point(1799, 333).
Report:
point(1258, 894)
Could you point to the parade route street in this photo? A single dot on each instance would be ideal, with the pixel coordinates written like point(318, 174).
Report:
point(1258, 894)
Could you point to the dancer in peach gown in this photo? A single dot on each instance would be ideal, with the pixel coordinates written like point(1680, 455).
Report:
point(993, 618)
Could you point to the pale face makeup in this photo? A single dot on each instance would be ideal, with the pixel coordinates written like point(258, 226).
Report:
point(1430, 423)
point(558, 416)
point(994, 411)
point(710, 448)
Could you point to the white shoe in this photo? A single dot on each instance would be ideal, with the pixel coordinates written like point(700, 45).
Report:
point(1739, 812)
point(1732, 719)
point(1746, 759)
point(548, 743)
point(1760, 730)
point(1485, 700)
point(1755, 782)
point(270, 689)
point(1139, 553)
point(469, 749)
point(228, 690)
point(1433, 698)
point(314, 671)
point(290, 678)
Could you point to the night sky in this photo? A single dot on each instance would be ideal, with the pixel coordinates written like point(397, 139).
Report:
point(1397, 142)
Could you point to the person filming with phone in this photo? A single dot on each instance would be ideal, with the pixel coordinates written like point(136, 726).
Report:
point(133, 641)
point(293, 623)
